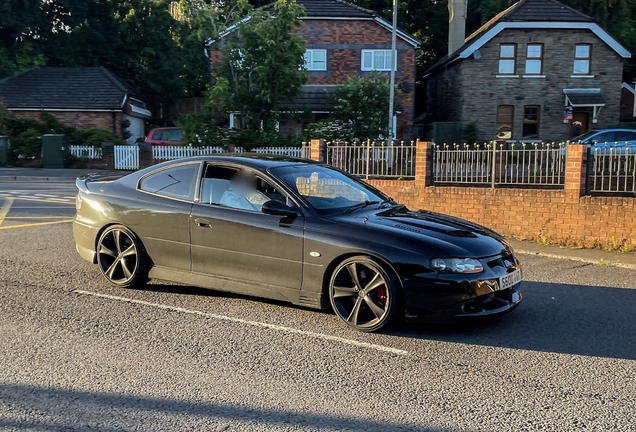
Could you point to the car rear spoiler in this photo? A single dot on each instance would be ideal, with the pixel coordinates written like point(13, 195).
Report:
point(83, 181)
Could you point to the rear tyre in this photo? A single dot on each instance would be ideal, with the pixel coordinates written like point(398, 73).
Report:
point(122, 258)
point(364, 294)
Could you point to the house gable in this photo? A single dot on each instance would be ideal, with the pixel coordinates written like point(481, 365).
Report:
point(531, 15)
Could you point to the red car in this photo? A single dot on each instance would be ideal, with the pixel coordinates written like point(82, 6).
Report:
point(165, 136)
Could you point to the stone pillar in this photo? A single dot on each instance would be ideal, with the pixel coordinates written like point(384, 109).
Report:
point(318, 150)
point(145, 155)
point(108, 155)
point(576, 171)
point(423, 164)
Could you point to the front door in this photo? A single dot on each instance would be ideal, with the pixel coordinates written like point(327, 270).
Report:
point(579, 124)
point(232, 239)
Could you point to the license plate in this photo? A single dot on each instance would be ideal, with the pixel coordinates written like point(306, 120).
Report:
point(510, 279)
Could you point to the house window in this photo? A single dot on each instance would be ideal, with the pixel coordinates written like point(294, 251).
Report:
point(530, 122)
point(582, 59)
point(505, 120)
point(379, 60)
point(507, 54)
point(316, 60)
point(534, 59)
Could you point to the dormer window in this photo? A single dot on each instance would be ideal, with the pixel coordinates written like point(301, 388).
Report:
point(507, 56)
point(582, 59)
point(534, 59)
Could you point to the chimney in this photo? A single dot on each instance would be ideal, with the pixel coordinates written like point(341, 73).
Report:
point(456, 24)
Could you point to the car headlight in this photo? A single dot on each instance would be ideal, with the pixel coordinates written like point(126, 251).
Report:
point(457, 265)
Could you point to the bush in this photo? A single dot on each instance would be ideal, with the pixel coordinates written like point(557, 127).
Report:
point(330, 130)
point(28, 144)
point(94, 137)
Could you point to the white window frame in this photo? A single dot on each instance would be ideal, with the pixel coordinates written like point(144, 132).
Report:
point(373, 68)
point(309, 60)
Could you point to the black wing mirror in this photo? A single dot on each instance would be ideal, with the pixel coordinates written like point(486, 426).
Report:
point(277, 208)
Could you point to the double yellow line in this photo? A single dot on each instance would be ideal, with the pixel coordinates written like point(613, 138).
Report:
point(7, 206)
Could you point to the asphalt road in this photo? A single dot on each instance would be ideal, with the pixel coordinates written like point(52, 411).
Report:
point(79, 355)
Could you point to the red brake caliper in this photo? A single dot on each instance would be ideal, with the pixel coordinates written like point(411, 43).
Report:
point(382, 293)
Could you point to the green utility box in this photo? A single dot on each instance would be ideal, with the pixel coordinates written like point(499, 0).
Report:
point(55, 151)
point(5, 148)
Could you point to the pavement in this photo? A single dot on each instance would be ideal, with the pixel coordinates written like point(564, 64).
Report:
point(595, 256)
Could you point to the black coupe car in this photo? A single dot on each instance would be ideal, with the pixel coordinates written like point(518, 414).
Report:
point(294, 230)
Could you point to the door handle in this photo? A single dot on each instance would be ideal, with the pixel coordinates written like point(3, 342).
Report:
point(203, 223)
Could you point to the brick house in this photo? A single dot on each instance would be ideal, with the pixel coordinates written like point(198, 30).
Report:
point(518, 75)
point(346, 41)
point(628, 107)
point(83, 98)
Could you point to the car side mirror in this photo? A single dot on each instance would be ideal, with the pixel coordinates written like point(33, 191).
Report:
point(277, 208)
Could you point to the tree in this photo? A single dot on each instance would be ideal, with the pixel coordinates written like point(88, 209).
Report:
point(363, 103)
point(263, 66)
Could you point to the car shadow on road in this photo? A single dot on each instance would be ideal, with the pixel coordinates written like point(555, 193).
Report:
point(49, 409)
point(560, 318)
point(568, 319)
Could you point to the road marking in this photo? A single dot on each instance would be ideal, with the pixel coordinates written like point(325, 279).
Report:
point(35, 224)
point(47, 196)
point(5, 209)
point(252, 323)
point(43, 200)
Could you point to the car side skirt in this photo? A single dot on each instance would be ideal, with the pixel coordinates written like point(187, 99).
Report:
point(297, 297)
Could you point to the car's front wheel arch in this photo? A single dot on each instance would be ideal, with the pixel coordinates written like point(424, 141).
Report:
point(398, 307)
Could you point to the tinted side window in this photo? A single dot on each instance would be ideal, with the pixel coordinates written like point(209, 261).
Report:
point(603, 137)
point(177, 182)
point(157, 135)
point(625, 136)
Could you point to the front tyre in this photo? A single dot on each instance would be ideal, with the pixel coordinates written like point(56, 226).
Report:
point(365, 295)
point(121, 257)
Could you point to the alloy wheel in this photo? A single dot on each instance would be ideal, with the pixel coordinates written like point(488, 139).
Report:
point(118, 256)
point(361, 294)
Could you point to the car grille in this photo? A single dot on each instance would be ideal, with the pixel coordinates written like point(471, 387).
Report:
point(506, 261)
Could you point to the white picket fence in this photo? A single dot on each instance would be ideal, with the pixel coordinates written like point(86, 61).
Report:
point(286, 151)
point(83, 151)
point(174, 152)
point(126, 157)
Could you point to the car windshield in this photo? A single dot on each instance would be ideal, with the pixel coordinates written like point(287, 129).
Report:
point(328, 190)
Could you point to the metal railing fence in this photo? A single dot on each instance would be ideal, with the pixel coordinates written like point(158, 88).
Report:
point(382, 159)
point(535, 164)
point(612, 170)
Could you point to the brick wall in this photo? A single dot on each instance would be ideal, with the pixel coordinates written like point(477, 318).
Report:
point(557, 216)
point(80, 119)
point(481, 89)
point(527, 214)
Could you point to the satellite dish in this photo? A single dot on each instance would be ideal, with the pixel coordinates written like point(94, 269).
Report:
point(477, 55)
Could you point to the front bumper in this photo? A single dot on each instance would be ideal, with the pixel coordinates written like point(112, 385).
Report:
point(443, 297)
